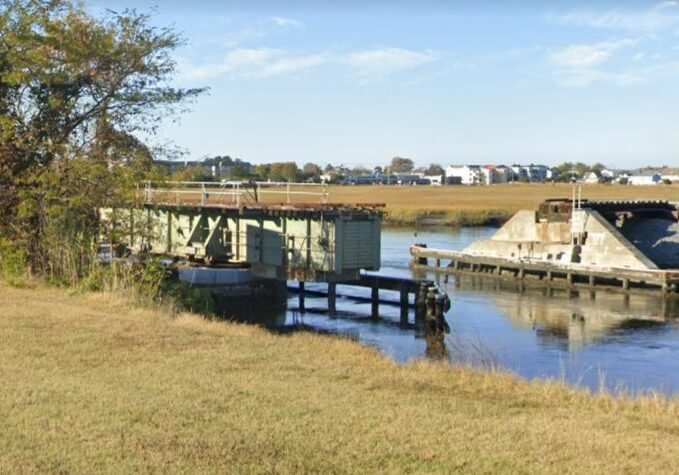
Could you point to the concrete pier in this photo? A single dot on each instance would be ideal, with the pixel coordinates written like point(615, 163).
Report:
point(547, 274)
point(629, 246)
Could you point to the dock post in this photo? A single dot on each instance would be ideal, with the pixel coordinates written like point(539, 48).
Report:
point(300, 296)
point(332, 297)
point(592, 280)
point(375, 300)
point(522, 273)
point(422, 261)
point(625, 284)
point(420, 304)
point(550, 277)
point(404, 306)
point(438, 262)
point(569, 277)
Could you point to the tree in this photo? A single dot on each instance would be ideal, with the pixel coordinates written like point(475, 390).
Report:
point(284, 171)
point(360, 170)
point(74, 92)
point(401, 165)
point(262, 171)
point(311, 171)
point(435, 169)
point(568, 169)
point(597, 167)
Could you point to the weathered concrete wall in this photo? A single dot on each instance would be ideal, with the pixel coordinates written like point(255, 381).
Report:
point(555, 252)
point(522, 238)
point(521, 227)
point(605, 246)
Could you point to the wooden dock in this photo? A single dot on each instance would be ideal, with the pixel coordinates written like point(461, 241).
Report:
point(429, 301)
point(533, 272)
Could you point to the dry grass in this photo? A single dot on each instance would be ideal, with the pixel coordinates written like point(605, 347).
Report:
point(482, 204)
point(91, 385)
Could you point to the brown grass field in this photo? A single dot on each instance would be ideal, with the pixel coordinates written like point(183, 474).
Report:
point(482, 204)
point(90, 384)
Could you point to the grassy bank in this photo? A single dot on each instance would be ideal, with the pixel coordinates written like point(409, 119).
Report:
point(478, 205)
point(90, 384)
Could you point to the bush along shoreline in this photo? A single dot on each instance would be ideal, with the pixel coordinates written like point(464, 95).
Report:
point(458, 218)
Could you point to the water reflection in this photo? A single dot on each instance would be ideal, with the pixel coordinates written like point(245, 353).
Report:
point(571, 319)
point(578, 336)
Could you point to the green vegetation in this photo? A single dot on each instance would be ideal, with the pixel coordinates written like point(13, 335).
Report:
point(74, 91)
point(93, 385)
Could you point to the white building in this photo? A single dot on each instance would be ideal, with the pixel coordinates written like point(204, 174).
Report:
point(468, 174)
point(591, 178)
point(496, 174)
point(435, 180)
point(650, 179)
point(532, 173)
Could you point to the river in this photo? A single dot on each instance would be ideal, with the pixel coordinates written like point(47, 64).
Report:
point(624, 343)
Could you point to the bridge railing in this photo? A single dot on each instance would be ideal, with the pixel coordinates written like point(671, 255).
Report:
point(232, 193)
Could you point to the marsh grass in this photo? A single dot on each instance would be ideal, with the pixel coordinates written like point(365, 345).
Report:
point(481, 205)
point(93, 384)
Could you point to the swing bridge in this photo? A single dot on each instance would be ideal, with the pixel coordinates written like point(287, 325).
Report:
point(278, 230)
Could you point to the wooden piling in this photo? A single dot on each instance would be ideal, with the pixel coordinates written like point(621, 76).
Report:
point(375, 301)
point(300, 296)
point(332, 297)
point(404, 307)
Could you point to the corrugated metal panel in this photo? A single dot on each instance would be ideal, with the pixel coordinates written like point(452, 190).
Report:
point(264, 246)
point(357, 239)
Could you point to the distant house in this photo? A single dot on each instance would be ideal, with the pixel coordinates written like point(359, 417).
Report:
point(468, 174)
point(607, 175)
point(493, 174)
point(435, 180)
point(670, 174)
point(360, 179)
point(592, 177)
point(532, 173)
point(409, 179)
point(648, 179)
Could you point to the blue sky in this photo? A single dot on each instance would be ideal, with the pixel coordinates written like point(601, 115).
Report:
point(444, 82)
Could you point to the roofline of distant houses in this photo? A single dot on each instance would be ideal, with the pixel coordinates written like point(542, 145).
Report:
point(471, 174)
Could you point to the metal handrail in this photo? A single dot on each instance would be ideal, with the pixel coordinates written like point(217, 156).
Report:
point(237, 190)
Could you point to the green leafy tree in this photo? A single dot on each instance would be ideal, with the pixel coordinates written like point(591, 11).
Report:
point(311, 171)
point(401, 165)
point(74, 92)
point(435, 169)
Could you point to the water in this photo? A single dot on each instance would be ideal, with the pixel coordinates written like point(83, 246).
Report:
point(629, 343)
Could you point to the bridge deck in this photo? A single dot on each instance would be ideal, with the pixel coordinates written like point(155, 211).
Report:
point(216, 223)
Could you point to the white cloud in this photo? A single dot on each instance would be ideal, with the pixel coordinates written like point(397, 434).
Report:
point(268, 62)
point(661, 16)
point(286, 22)
point(293, 64)
point(238, 59)
point(585, 64)
point(587, 55)
point(377, 63)
point(585, 77)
